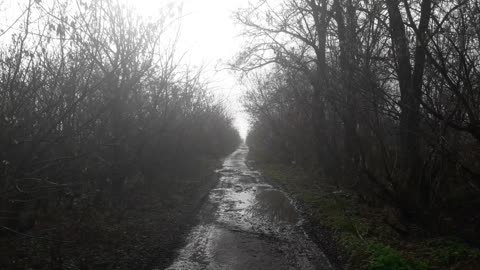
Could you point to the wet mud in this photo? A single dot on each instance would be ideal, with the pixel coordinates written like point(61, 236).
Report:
point(248, 224)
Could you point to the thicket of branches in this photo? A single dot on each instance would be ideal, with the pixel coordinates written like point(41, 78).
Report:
point(94, 101)
point(381, 96)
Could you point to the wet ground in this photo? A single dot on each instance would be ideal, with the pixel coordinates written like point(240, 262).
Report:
point(248, 224)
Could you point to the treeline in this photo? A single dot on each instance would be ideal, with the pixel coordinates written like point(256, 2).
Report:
point(94, 102)
point(380, 97)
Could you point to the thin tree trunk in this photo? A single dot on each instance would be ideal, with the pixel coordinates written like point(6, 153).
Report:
point(410, 82)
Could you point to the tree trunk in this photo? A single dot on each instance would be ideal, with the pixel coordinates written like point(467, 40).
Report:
point(346, 37)
point(319, 80)
point(411, 185)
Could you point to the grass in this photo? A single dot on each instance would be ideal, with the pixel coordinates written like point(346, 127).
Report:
point(361, 232)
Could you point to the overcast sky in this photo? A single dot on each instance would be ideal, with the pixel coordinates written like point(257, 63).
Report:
point(210, 38)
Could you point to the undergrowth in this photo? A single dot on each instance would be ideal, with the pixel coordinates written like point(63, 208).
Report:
point(361, 232)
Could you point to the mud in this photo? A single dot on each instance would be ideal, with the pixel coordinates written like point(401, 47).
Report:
point(248, 224)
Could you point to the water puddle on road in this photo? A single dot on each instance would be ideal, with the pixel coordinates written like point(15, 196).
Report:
point(274, 207)
point(248, 224)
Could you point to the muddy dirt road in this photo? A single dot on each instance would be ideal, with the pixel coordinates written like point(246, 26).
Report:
point(248, 224)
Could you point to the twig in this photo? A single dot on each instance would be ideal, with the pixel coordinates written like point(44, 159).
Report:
point(31, 236)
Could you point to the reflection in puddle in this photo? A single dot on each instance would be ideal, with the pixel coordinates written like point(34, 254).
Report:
point(274, 206)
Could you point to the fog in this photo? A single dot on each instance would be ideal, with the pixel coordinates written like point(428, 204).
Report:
point(229, 134)
point(210, 39)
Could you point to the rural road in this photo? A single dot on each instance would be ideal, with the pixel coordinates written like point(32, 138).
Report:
point(248, 224)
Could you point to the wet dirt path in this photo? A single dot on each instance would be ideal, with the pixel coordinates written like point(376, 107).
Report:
point(248, 224)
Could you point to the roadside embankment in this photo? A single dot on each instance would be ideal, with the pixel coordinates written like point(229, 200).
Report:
point(355, 235)
point(142, 231)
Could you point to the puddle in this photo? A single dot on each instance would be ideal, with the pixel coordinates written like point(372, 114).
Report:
point(274, 206)
point(253, 226)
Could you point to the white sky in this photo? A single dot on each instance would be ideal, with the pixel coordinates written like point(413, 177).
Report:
point(208, 36)
point(210, 39)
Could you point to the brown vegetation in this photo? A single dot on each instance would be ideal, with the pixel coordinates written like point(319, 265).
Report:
point(96, 110)
point(378, 97)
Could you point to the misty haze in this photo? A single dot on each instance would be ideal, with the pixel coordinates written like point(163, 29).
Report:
point(240, 134)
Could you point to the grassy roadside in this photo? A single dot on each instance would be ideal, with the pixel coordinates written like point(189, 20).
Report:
point(357, 236)
point(142, 233)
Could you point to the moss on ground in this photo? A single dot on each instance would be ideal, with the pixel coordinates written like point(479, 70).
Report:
point(361, 232)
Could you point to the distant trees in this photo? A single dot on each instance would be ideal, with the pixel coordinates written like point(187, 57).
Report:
point(91, 96)
point(381, 95)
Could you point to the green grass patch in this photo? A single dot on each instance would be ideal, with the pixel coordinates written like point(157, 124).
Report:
point(384, 257)
point(449, 252)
